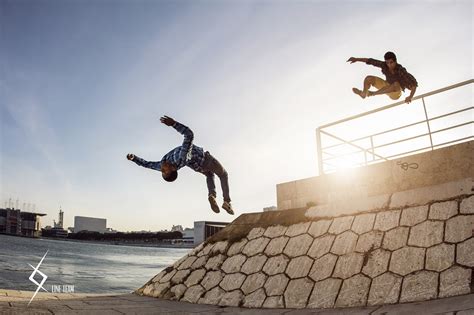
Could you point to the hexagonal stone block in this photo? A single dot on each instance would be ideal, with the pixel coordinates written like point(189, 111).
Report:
point(324, 293)
point(254, 264)
point(455, 281)
point(465, 253)
point(187, 263)
point(363, 223)
point(233, 263)
point(459, 228)
point(299, 267)
point(297, 229)
point(369, 241)
point(180, 276)
point(276, 264)
point(344, 243)
point(273, 302)
point(232, 281)
point(341, 224)
point(160, 289)
point(354, 292)
point(178, 291)
point(276, 284)
point(426, 234)
point(396, 238)
point(377, 263)
point(220, 247)
point(193, 294)
point(276, 246)
point(180, 261)
point(195, 277)
point(385, 289)
point(255, 233)
point(159, 275)
point(323, 267)
point(318, 228)
point(167, 277)
point(206, 250)
point(255, 246)
point(443, 210)
point(297, 293)
point(440, 257)
point(348, 265)
point(275, 231)
point(414, 215)
point(253, 282)
point(236, 248)
point(467, 205)
point(406, 260)
point(420, 286)
point(212, 279)
point(200, 262)
point(298, 245)
point(255, 299)
point(233, 298)
point(212, 297)
point(321, 246)
point(387, 220)
point(215, 262)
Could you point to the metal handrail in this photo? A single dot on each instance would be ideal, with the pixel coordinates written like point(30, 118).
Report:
point(371, 151)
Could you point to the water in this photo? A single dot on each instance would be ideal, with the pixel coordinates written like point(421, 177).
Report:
point(89, 267)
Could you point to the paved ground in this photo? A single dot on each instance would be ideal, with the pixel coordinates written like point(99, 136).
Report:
point(15, 302)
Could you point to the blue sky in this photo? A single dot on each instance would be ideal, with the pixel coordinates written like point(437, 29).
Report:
point(83, 83)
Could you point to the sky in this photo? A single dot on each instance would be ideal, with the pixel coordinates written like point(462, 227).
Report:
point(83, 83)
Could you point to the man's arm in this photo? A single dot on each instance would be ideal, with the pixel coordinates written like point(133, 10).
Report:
point(139, 161)
point(354, 59)
point(410, 82)
point(369, 61)
point(185, 131)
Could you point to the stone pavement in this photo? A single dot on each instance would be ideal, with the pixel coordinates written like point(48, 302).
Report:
point(15, 302)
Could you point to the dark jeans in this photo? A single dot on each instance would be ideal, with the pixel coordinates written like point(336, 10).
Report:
point(212, 166)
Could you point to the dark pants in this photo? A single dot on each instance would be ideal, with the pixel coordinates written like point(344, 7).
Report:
point(212, 166)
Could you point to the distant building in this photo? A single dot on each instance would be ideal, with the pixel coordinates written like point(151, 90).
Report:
point(178, 228)
point(17, 222)
point(57, 230)
point(89, 224)
point(205, 229)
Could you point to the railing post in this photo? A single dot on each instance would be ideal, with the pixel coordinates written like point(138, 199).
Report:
point(372, 147)
point(427, 123)
point(320, 152)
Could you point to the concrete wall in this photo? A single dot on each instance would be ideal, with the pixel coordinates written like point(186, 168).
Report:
point(434, 167)
point(89, 224)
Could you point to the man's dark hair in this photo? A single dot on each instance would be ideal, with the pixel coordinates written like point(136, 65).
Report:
point(390, 55)
point(171, 176)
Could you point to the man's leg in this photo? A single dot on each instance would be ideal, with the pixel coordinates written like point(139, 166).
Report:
point(369, 81)
point(214, 166)
point(211, 186)
point(387, 89)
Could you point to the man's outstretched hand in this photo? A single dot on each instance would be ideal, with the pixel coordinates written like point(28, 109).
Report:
point(168, 121)
point(351, 60)
point(130, 156)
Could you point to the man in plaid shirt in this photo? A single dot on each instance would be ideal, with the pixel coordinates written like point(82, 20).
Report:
point(193, 157)
point(397, 78)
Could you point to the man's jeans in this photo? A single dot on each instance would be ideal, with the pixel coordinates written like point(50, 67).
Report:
point(212, 166)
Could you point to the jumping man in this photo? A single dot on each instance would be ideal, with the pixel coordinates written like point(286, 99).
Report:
point(194, 157)
point(397, 78)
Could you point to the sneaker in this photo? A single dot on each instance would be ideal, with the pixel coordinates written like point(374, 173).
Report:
point(228, 207)
point(213, 202)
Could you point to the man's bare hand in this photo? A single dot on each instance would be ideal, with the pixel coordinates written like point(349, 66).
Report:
point(408, 99)
point(130, 156)
point(168, 121)
point(351, 60)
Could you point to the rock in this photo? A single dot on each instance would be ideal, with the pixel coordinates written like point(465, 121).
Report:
point(341, 224)
point(199, 263)
point(443, 210)
point(348, 265)
point(324, 293)
point(255, 246)
point(167, 277)
point(193, 294)
point(195, 277)
point(275, 231)
point(387, 220)
point(254, 264)
point(319, 228)
point(231, 298)
point(377, 263)
point(233, 263)
point(297, 293)
point(255, 233)
point(180, 276)
point(321, 246)
point(323, 267)
point(297, 229)
point(253, 282)
point(344, 243)
point(420, 286)
point(440, 257)
point(276, 264)
point(465, 253)
point(385, 289)
point(354, 292)
point(255, 299)
point(363, 223)
point(276, 284)
point(369, 241)
point(273, 302)
point(406, 260)
point(212, 297)
point(414, 215)
point(232, 281)
point(215, 262)
point(276, 246)
point(396, 238)
point(236, 248)
point(212, 279)
point(187, 263)
point(220, 247)
point(299, 267)
point(455, 281)
point(298, 245)
point(459, 228)
point(467, 205)
point(426, 234)
point(178, 291)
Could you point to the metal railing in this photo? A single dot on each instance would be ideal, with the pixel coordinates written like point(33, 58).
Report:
point(368, 149)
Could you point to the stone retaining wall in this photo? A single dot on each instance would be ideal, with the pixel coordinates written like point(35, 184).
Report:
point(383, 256)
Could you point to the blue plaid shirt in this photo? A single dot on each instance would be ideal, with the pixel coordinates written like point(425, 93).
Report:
point(187, 154)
